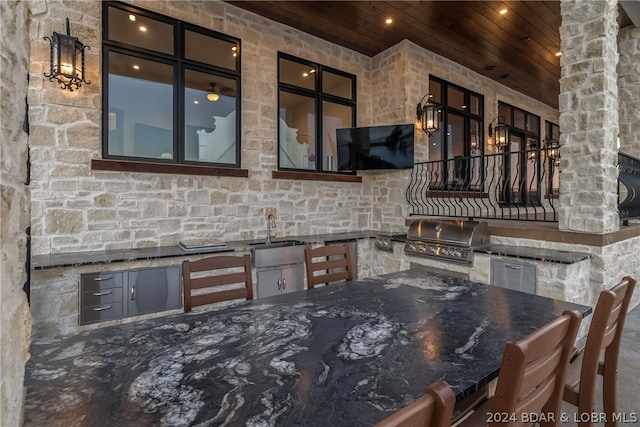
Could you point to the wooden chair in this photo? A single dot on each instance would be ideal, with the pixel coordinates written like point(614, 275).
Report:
point(532, 377)
point(211, 277)
point(335, 264)
point(434, 409)
point(605, 334)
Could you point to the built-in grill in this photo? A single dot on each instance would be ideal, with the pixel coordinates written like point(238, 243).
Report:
point(447, 240)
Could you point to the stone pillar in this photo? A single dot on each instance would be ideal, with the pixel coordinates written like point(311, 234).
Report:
point(629, 90)
point(589, 116)
point(15, 212)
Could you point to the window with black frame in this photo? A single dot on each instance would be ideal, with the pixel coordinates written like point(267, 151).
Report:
point(458, 147)
point(171, 90)
point(313, 101)
point(521, 182)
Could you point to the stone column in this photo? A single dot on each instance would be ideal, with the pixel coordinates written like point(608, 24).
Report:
point(589, 116)
point(629, 90)
point(15, 327)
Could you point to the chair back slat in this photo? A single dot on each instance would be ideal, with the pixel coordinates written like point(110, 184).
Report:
point(433, 409)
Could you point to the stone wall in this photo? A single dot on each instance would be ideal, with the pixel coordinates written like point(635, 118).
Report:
point(76, 209)
point(589, 116)
point(629, 90)
point(14, 317)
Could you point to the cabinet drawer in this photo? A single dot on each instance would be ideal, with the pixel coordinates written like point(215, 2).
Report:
point(101, 312)
point(101, 296)
point(99, 281)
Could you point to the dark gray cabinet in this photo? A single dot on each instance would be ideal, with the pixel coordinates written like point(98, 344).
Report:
point(117, 294)
point(514, 275)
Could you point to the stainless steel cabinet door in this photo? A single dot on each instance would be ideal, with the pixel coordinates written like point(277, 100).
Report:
point(518, 276)
point(269, 283)
point(292, 279)
point(153, 289)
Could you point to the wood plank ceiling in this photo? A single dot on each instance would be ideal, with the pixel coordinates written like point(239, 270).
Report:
point(517, 49)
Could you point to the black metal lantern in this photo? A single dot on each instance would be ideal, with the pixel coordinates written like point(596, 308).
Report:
point(552, 148)
point(429, 115)
point(67, 60)
point(499, 131)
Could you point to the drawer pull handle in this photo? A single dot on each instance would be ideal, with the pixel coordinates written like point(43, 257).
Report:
point(103, 293)
point(284, 283)
point(103, 278)
point(133, 293)
point(106, 307)
point(279, 284)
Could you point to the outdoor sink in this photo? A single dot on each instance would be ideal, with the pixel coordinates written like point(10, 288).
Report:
point(277, 253)
point(274, 244)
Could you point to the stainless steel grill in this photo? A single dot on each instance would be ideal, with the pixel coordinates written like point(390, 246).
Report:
point(447, 240)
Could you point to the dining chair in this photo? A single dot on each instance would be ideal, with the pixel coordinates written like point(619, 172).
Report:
point(211, 274)
point(433, 409)
point(332, 262)
point(531, 378)
point(605, 334)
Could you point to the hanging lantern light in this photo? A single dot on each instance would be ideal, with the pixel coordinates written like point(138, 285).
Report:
point(429, 115)
point(499, 131)
point(67, 60)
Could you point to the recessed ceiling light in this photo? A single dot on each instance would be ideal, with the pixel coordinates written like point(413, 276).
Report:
point(503, 11)
point(558, 53)
point(305, 74)
point(132, 17)
point(234, 48)
point(136, 67)
point(196, 102)
point(388, 21)
point(143, 28)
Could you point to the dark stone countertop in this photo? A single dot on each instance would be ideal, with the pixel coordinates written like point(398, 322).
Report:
point(537, 254)
point(342, 355)
point(75, 259)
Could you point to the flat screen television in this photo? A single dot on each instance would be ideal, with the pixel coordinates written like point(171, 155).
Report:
point(375, 147)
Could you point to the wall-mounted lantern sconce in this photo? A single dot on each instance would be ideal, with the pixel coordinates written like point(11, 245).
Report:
point(67, 60)
point(429, 115)
point(532, 154)
point(499, 131)
point(552, 148)
point(475, 143)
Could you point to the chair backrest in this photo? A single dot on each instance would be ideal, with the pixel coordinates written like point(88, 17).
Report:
point(334, 264)
point(533, 371)
point(213, 272)
point(434, 409)
point(605, 333)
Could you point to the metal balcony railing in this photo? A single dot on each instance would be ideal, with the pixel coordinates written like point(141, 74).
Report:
point(518, 185)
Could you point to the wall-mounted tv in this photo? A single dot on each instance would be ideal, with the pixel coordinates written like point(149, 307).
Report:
point(376, 147)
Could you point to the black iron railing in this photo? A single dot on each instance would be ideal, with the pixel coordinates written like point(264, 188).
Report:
point(628, 188)
point(518, 185)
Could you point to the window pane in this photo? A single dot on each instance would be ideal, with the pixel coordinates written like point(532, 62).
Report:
point(334, 116)
point(211, 50)
point(455, 147)
point(297, 130)
point(141, 31)
point(337, 85)
point(210, 118)
point(140, 107)
point(455, 98)
point(504, 111)
point(435, 89)
point(475, 107)
point(297, 74)
point(518, 118)
point(533, 124)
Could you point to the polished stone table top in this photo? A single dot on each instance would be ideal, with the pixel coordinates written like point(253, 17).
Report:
point(341, 355)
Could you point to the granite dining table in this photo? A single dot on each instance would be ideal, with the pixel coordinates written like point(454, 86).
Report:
point(341, 355)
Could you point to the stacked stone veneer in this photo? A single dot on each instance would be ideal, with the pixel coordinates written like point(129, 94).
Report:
point(15, 215)
point(77, 209)
point(589, 116)
point(629, 90)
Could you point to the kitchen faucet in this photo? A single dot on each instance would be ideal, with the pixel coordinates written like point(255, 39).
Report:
point(271, 223)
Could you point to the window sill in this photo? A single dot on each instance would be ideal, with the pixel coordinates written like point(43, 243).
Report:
point(168, 168)
point(315, 176)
